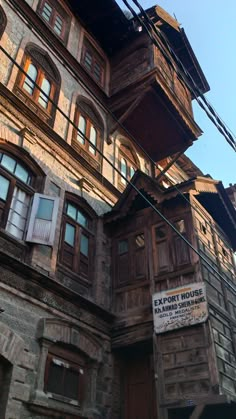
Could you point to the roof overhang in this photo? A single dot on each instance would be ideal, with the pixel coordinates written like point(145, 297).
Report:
point(180, 43)
point(104, 20)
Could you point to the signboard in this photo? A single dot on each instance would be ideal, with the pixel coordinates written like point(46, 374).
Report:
point(179, 307)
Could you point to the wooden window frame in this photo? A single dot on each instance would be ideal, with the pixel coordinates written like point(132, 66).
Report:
point(75, 361)
point(46, 68)
point(83, 149)
point(96, 59)
point(78, 258)
point(14, 181)
point(130, 163)
point(41, 74)
point(57, 10)
point(169, 239)
point(132, 254)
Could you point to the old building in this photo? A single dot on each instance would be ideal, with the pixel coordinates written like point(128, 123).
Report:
point(87, 103)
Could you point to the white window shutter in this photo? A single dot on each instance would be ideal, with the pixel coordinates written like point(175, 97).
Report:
point(43, 220)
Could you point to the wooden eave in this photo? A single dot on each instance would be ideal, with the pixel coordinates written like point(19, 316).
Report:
point(142, 182)
point(213, 197)
point(105, 21)
point(180, 43)
point(154, 116)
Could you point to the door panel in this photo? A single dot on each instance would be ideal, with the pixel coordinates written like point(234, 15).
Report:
point(139, 388)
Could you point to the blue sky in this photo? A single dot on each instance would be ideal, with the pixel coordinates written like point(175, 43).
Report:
point(211, 30)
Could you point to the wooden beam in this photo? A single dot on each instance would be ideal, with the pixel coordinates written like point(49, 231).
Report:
point(197, 411)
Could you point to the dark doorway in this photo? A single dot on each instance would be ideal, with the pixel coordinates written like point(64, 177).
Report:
point(139, 386)
point(5, 379)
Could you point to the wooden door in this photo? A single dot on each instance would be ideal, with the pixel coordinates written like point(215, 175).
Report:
point(139, 388)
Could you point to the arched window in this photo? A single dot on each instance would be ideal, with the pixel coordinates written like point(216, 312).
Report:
point(25, 213)
point(42, 72)
point(89, 132)
point(3, 21)
point(15, 193)
point(17, 187)
point(77, 236)
point(128, 163)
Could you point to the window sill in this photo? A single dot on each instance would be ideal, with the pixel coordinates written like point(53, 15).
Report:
point(33, 106)
point(12, 238)
point(54, 405)
point(93, 160)
point(63, 399)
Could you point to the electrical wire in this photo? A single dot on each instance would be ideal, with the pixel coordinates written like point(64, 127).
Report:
point(183, 74)
point(212, 270)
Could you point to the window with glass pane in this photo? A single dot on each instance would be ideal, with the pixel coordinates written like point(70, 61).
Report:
point(70, 234)
point(45, 93)
point(4, 186)
point(123, 169)
point(58, 24)
point(45, 209)
point(88, 59)
point(127, 164)
point(47, 11)
point(77, 215)
point(131, 171)
point(93, 62)
point(18, 213)
point(98, 71)
point(76, 240)
point(84, 245)
point(8, 162)
point(93, 139)
point(82, 130)
point(29, 84)
point(139, 240)
point(15, 195)
point(15, 168)
point(122, 247)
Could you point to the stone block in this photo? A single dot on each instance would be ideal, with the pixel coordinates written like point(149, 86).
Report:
point(20, 391)
point(13, 410)
point(19, 374)
point(27, 360)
